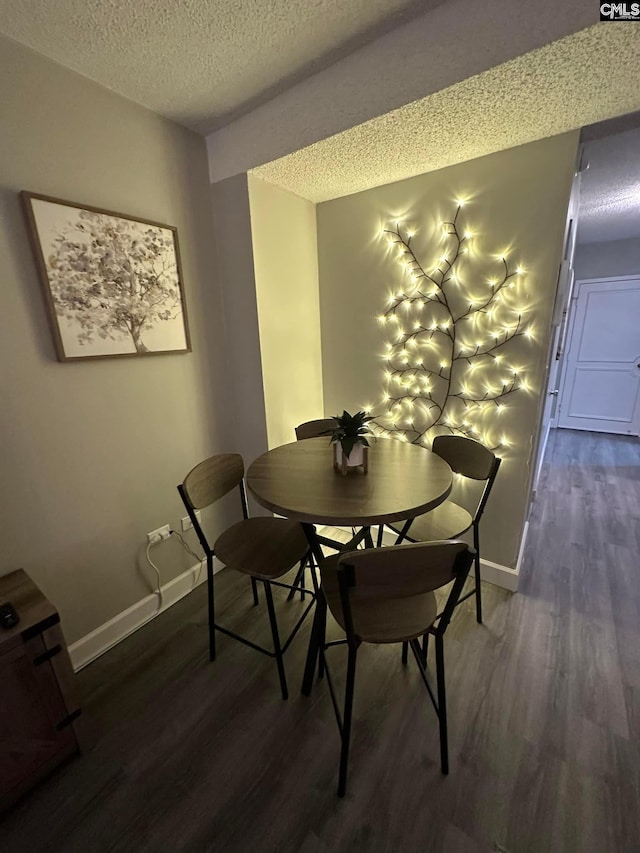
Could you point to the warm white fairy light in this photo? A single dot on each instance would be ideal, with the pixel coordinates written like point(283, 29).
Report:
point(440, 373)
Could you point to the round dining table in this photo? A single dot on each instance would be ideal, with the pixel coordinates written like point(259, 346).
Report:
point(299, 481)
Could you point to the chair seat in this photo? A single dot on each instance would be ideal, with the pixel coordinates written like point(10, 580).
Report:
point(447, 521)
point(263, 547)
point(390, 620)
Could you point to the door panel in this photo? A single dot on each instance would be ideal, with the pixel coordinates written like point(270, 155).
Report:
point(601, 387)
point(611, 320)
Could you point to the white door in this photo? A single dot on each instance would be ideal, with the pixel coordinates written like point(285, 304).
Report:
point(601, 385)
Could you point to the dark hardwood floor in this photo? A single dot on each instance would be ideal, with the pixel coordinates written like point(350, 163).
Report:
point(544, 713)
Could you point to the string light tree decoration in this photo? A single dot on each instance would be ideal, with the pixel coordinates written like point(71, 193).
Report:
point(449, 364)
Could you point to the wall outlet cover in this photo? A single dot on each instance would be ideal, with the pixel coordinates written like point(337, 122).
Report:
point(159, 534)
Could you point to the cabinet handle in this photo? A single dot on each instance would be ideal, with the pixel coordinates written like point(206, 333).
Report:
point(45, 656)
point(39, 627)
point(68, 719)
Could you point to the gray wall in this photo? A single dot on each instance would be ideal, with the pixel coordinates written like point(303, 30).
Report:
point(518, 198)
point(92, 451)
point(235, 271)
point(607, 258)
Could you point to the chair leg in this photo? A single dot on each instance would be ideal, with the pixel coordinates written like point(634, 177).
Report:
point(316, 637)
point(346, 719)
point(403, 532)
point(312, 573)
point(254, 588)
point(302, 579)
point(276, 639)
point(299, 579)
point(425, 647)
point(442, 705)
point(368, 539)
point(211, 609)
point(476, 545)
point(405, 652)
point(322, 664)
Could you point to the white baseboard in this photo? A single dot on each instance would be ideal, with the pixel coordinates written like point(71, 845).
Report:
point(499, 575)
point(523, 542)
point(97, 642)
point(503, 576)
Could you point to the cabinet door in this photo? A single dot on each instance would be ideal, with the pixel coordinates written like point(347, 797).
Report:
point(31, 711)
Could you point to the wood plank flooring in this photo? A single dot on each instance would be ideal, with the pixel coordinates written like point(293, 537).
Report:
point(544, 713)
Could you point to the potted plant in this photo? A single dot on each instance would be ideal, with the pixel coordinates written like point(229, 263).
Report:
point(349, 438)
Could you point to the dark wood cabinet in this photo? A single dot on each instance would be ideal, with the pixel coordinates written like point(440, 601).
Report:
point(38, 707)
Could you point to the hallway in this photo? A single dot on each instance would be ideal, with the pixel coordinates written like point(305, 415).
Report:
point(579, 650)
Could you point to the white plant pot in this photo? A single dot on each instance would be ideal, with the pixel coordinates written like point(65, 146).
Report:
point(356, 459)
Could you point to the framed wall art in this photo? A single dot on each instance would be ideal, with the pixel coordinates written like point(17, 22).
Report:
point(112, 283)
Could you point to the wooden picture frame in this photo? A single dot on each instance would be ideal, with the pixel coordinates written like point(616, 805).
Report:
point(112, 283)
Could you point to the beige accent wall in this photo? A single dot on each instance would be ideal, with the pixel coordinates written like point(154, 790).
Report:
point(285, 259)
point(517, 197)
point(92, 451)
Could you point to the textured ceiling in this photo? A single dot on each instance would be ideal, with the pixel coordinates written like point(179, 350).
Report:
point(610, 189)
point(583, 78)
point(201, 62)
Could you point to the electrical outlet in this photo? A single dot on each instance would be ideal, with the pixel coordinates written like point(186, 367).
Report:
point(159, 534)
point(186, 522)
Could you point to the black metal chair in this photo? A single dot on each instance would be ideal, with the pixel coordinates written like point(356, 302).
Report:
point(386, 595)
point(264, 548)
point(449, 520)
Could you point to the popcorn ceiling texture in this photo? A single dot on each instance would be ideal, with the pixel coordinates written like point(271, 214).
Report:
point(583, 78)
point(610, 189)
point(457, 40)
point(199, 62)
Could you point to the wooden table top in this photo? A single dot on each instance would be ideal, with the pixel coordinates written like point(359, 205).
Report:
point(298, 481)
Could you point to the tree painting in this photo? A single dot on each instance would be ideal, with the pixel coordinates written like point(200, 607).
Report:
point(111, 279)
point(448, 364)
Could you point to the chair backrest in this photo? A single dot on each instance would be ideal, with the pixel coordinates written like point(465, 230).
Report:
point(213, 478)
point(471, 459)
point(402, 571)
point(465, 456)
point(314, 429)
point(209, 481)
